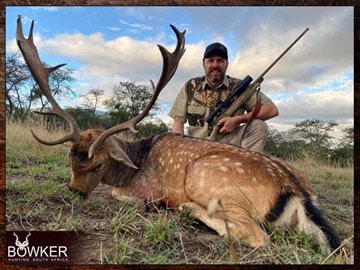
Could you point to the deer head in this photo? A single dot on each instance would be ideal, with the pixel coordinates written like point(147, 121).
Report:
point(89, 155)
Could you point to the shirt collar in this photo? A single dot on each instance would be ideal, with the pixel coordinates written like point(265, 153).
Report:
point(224, 84)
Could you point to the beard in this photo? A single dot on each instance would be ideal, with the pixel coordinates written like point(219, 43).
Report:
point(215, 75)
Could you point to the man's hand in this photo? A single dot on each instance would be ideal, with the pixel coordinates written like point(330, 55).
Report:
point(228, 124)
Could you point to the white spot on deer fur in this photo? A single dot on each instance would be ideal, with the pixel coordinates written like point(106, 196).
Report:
point(226, 159)
point(269, 169)
point(238, 164)
point(184, 153)
point(171, 161)
point(202, 180)
point(274, 165)
point(254, 179)
point(240, 170)
point(223, 168)
point(213, 156)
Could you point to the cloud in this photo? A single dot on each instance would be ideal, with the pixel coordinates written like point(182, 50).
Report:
point(137, 25)
point(314, 79)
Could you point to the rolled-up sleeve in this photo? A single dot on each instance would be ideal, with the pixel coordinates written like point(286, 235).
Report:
point(251, 102)
point(178, 111)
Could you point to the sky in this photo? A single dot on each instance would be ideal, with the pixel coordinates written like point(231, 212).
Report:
point(106, 45)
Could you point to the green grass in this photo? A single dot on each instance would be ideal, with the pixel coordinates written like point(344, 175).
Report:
point(37, 198)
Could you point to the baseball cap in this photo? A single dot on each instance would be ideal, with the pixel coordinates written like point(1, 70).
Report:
point(216, 48)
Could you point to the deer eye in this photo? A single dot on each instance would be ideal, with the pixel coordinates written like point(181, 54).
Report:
point(97, 168)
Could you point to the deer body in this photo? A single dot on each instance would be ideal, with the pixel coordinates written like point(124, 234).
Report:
point(181, 171)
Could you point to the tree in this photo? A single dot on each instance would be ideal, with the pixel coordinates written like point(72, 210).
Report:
point(316, 135)
point(315, 131)
point(311, 138)
point(60, 82)
point(284, 145)
point(22, 92)
point(17, 77)
point(151, 128)
point(343, 154)
point(85, 118)
point(348, 137)
point(128, 101)
point(92, 99)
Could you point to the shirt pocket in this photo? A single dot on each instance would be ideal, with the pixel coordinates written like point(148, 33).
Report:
point(196, 116)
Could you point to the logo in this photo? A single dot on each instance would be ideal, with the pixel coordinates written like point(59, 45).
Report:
point(30, 249)
point(21, 245)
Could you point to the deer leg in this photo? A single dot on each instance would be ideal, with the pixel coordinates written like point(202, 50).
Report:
point(124, 194)
point(245, 228)
point(249, 231)
point(200, 213)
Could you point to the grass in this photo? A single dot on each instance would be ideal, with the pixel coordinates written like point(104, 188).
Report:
point(37, 198)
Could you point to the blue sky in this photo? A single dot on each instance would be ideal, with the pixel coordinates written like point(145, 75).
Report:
point(106, 45)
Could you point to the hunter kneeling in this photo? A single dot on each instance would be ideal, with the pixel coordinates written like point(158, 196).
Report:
point(200, 95)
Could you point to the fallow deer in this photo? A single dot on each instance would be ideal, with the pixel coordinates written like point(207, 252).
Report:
point(182, 171)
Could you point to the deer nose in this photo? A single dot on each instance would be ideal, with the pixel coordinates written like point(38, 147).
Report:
point(82, 194)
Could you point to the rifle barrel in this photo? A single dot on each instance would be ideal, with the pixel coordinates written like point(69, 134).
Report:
point(281, 55)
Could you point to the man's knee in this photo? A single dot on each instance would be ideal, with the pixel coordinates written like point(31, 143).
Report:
point(255, 136)
point(258, 126)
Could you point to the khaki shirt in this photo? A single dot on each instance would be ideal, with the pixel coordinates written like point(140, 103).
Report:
point(197, 99)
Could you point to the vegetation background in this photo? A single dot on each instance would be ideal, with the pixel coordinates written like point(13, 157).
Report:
point(111, 232)
point(37, 197)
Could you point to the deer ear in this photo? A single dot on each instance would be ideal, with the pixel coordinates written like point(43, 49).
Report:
point(118, 154)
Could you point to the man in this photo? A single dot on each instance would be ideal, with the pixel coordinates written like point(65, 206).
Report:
point(200, 95)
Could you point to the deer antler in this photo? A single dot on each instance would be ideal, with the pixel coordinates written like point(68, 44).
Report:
point(170, 64)
point(41, 76)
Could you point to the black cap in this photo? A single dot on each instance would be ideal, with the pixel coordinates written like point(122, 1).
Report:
point(216, 49)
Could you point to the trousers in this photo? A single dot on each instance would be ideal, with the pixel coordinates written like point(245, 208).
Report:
point(254, 138)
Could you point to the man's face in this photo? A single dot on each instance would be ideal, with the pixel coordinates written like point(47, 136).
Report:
point(215, 69)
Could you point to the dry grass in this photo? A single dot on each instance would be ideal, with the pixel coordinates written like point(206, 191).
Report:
point(37, 176)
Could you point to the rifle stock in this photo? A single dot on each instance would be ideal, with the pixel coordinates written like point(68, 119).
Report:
point(238, 102)
point(239, 89)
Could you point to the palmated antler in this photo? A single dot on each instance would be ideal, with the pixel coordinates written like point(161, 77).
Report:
point(41, 76)
point(170, 64)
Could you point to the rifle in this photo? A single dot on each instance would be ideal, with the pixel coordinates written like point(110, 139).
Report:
point(243, 90)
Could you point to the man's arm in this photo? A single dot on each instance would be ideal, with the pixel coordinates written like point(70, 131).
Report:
point(178, 127)
point(229, 124)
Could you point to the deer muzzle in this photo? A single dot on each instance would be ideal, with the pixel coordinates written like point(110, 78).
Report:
point(75, 191)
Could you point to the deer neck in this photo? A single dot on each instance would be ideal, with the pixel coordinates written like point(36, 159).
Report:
point(119, 174)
